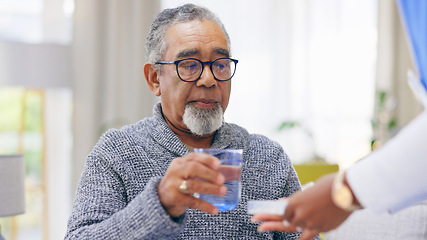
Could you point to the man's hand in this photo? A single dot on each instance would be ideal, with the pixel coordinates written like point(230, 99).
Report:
point(200, 172)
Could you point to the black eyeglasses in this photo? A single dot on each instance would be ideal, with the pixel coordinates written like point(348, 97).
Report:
point(190, 69)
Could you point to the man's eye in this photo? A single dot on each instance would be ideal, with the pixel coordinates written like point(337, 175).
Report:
point(189, 65)
point(221, 65)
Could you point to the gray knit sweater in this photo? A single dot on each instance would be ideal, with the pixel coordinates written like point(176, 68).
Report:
point(117, 194)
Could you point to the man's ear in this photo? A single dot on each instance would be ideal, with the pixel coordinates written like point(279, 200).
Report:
point(152, 76)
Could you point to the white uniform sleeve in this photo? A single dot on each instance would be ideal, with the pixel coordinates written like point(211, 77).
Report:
point(394, 176)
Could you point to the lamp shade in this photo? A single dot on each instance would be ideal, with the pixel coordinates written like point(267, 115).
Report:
point(12, 185)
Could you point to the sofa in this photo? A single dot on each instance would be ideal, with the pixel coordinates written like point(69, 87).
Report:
point(407, 224)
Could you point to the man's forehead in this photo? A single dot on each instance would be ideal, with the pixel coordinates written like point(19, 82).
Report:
point(189, 38)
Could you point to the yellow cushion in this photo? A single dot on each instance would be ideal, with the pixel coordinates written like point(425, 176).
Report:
point(311, 172)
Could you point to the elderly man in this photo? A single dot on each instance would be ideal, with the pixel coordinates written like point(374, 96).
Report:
point(138, 181)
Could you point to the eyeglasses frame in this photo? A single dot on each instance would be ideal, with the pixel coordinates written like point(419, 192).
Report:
point(176, 62)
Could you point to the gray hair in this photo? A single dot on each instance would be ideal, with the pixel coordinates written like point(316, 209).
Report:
point(155, 46)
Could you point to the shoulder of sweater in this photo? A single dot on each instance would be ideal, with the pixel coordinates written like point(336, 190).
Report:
point(254, 138)
point(130, 131)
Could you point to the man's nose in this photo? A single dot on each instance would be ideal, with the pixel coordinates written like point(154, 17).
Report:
point(206, 79)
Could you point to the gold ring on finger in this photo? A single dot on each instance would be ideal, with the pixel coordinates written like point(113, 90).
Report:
point(183, 187)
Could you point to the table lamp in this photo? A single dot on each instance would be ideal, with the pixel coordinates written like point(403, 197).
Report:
point(12, 186)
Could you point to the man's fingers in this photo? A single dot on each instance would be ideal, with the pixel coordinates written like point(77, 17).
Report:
point(201, 166)
point(201, 205)
point(204, 158)
point(198, 186)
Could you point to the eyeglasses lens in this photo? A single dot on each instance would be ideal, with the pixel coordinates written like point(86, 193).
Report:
point(222, 69)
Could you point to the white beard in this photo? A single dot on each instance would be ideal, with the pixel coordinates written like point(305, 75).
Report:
point(202, 121)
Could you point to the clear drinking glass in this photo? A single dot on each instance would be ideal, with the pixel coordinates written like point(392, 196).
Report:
point(231, 168)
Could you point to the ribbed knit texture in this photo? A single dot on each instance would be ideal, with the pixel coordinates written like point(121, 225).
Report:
point(117, 194)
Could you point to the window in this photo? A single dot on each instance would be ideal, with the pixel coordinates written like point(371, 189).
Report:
point(21, 131)
point(34, 37)
point(38, 123)
point(36, 21)
point(306, 65)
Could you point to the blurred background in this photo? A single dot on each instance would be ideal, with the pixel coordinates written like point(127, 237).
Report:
point(327, 79)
